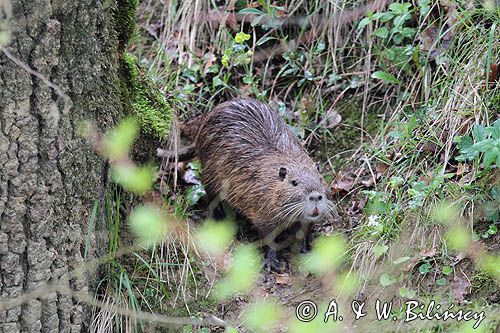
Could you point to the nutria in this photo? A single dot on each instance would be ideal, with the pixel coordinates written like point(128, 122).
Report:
point(252, 159)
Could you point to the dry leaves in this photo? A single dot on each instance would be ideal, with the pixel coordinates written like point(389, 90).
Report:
point(284, 278)
point(460, 286)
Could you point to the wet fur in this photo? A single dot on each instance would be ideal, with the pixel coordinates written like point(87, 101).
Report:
point(242, 144)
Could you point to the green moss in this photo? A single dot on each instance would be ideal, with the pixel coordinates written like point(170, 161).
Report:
point(146, 101)
point(125, 21)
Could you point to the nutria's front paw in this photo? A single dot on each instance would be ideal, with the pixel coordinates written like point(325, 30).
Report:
point(271, 261)
point(305, 246)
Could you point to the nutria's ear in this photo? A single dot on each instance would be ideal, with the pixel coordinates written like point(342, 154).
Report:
point(282, 173)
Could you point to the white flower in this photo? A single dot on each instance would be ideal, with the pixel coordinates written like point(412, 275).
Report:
point(373, 220)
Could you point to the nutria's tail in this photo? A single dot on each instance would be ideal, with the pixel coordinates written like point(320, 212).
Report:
point(184, 154)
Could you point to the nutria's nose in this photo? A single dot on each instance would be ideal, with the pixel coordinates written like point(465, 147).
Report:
point(315, 196)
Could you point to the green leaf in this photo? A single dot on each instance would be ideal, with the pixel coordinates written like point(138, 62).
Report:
point(149, 225)
point(407, 293)
point(381, 32)
point(401, 260)
point(242, 275)
point(479, 132)
point(380, 250)
point(263, 316)
point(493, 230)
point(265, 39)
point(117, 141)
point(408, 32)
point(424, 268)
point(447, 270)
point(483, 145)
point(216, 81)
point(384, 76)
point(215, 237)
point(383, 17)
point(254, 11)
point(399, 8)
point(132, 178)
point(441, 282)
point(327, 253)
point(194, 194)
point(458, 238)
point(490, 156)
point(364, 22)
point(386, 280)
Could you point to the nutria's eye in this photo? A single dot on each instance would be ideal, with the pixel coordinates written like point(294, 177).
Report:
point(282, 173)
point(294, 183)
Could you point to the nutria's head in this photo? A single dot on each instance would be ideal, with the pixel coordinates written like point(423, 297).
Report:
point(299, 193)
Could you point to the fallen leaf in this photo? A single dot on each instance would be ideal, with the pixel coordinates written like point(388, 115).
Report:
point(331, 119)
point(345, 184)
point(460, 287)
point(433, 43)
point(356, 207)
point(283, 279)
point(368, 182)
point(426, 253)
point(494, 74)
point(381, 168)
point(190, 177)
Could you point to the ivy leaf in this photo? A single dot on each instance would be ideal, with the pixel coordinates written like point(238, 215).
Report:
point(384, 76)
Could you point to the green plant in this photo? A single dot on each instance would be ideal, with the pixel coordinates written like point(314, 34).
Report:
point(484, 141)
point(396, 33)
point(267, 17)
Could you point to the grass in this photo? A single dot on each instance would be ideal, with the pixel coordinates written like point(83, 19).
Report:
point(397, 139)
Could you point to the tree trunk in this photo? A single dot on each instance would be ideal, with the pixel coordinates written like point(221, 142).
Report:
point(49, 176)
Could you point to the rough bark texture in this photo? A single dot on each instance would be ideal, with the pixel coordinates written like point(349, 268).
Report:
point(49, 176)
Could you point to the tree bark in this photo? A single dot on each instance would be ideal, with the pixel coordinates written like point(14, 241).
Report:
point(49, 176)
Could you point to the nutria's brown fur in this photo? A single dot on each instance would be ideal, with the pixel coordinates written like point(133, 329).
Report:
point(253, 160)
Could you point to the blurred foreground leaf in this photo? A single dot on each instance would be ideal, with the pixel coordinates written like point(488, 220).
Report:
point(214, 237)
point(263, 316)
point(458, 238)
point(133, 178)
point(242, 275)
point(117, 142)
point(149, 225)
point(327, 253)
